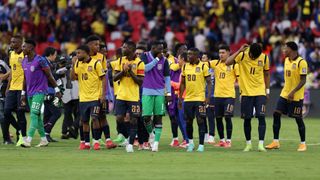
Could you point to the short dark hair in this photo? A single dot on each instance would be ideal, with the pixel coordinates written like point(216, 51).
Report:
point(156, 43)
point(177, 47)
point(292, 45)
point(49, 51)
point(142, 45)
point(84, 48)
point(194, 50)
point(255, 50)
point(17, 37)
point(224, 47)
point(30, 41)
point(131, 45)
point(165, 45)
point(184, 56)
point(92, 38)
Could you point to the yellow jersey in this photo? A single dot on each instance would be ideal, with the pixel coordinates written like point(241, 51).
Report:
point(128, 90)
point(195, 80)
point(251, 71)
point(89, 75)
point(17, 74)
point(292, 72)
point(115, 84)
point(174, 66)
point(225, 77)
point(100, 57)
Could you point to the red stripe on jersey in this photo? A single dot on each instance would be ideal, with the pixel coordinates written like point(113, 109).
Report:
point(140, 71)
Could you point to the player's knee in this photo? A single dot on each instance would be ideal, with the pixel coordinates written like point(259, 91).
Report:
point(7, 112)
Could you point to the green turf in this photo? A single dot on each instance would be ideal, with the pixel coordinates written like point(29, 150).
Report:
point(63, 160)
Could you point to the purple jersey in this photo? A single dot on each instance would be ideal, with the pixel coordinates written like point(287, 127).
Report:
point(35, 77)
point(154, 79)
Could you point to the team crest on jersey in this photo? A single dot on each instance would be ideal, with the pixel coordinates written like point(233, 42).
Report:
point(32, 68)
point(260, 63)
point(20, 59)
point(197, 69)
point(90, 68)
point(159, 66)
point(134, 66)
point(294, 66)
point(228, 68)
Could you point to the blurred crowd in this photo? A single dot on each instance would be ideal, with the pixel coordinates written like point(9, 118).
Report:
point(204, 24)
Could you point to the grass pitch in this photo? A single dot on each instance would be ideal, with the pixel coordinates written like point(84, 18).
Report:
point(63, 160)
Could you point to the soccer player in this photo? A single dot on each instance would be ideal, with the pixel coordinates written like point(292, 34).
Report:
point(51, 112)
point(224, 93)
point(156, 87)
point(90, 74)
point(129, 72)
point(209, 137)
point(15, 86)
point(292, 94)
point(195, 76)
point(173, 110)
point(93, 43)
point(254, 82)
point(37, 74)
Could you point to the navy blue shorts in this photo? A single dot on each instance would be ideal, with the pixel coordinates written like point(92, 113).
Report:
point(292, 109)
point(224, 107)
point(13, 101)
point(89, 109)
point(250, 102)
point(131, 107)
point(194, 108)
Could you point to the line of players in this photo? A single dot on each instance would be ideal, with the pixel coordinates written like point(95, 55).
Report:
point(144, 85)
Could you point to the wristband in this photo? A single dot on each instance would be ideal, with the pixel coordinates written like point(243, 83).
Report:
point(23, 93)
point(57, 89)
point(268, 91)
point(157, 59)
point(168, 94)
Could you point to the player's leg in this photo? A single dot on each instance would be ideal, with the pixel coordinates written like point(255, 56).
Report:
point(158, 111)
point(174, 125)
point(296, 112)
point(51, 114)
point(21, 117)
point(84, 125)
point(211, 121)
point(219, 111)
point(95, 109)
point(105, 128)
point(201, 115)
point(67, 119)
point(228, 114)
point(260, 107)
point(43, 142)
point(4, 125)
point(183, 128)
point(148, 103)
point(10, 105)
point(247, 114)
point(135, 113)
point(282, 108)
point(189, 112)
point(121, 111)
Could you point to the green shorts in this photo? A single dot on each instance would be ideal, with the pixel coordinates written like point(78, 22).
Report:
point(152, 105)
point(35, 103)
